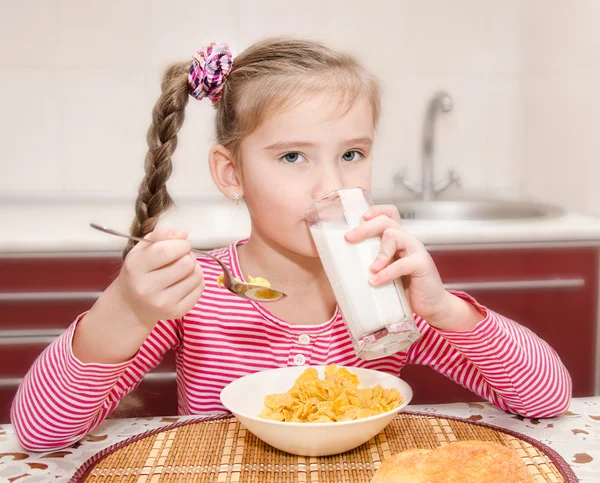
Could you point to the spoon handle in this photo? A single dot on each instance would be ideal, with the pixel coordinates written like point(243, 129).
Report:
point(137, 238)
point(118, 233)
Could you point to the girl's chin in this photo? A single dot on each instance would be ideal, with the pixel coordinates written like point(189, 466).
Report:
point(302, 245)
point(296, 240)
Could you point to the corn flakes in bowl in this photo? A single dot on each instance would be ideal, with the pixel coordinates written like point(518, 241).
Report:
point(325, 415)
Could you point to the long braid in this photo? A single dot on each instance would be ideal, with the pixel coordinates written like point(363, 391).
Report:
point(167, 118)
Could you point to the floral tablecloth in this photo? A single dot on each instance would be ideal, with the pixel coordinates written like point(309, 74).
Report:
point(575, 436)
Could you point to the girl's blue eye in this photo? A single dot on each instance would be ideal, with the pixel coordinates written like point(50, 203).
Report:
point(292, 158)
point(351, 156)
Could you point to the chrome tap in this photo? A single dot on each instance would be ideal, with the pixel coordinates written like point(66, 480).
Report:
point(428, 190)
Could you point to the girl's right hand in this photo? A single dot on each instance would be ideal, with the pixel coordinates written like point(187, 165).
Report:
point(160, 280)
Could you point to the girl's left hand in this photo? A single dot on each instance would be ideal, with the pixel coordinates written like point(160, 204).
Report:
point(402, 255)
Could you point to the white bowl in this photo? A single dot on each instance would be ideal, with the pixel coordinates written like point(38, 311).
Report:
point(244, 397)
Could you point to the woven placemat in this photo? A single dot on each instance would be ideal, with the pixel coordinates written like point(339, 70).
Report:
point(221, 450)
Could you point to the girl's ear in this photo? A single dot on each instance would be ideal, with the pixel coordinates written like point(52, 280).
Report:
point(224, 172)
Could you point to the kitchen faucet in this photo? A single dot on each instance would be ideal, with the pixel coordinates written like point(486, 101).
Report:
point(428, 190)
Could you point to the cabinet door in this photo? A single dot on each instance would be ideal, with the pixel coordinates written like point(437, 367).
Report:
point(156, 395)
point(47, 294)
point(552, 291)
point(39, 298)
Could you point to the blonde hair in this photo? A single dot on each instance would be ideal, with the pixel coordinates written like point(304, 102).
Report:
point(270, 75)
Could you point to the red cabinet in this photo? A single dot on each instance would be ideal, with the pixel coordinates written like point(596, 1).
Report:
point(553, 291)
point(39, 298)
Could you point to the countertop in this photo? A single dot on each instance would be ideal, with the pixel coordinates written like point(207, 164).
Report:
point(575, 436)
point(63, 226)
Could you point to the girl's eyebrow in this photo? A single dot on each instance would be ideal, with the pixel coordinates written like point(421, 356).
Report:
point(287, 145)
point(366, 140)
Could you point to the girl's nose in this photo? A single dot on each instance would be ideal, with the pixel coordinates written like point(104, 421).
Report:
point(329, 179)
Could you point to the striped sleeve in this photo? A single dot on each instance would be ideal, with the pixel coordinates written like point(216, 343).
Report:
point(501, 361)
point(61, 398)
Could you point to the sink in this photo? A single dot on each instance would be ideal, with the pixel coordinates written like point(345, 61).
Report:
point(473, 210)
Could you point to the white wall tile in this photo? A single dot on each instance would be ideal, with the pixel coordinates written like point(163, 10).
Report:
point(96, 34)
point(561, 35)
point(28, 33)
point(464, 36)
point(181, 27)
point(191, 175)
point(112, 53)
point(396, 135)
point(500, 104)
point(106, 115)
point(562, 146)
point(105, 134)
point(30, 131)
point(562, 106)
point(371, 30)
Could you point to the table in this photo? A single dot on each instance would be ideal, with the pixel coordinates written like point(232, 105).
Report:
point(574, 435)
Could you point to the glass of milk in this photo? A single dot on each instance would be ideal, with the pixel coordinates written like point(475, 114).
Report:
point(379, 319)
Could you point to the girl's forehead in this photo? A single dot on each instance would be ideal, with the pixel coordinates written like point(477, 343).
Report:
point(319, 112)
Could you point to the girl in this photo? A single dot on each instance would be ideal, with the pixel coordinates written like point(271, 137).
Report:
point(294, 120)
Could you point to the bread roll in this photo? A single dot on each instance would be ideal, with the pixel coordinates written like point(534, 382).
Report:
point(460, 462)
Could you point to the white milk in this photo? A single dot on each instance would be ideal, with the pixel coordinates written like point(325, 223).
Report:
point(366, 309)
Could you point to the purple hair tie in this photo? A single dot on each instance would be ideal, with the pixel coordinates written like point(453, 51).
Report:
point(209, 70)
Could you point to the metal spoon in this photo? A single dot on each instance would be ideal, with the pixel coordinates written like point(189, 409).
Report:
point(244, 290)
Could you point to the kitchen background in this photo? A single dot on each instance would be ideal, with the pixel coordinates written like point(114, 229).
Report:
point(78, 80)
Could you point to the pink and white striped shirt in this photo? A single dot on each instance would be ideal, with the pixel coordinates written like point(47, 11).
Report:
point(224, 337)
